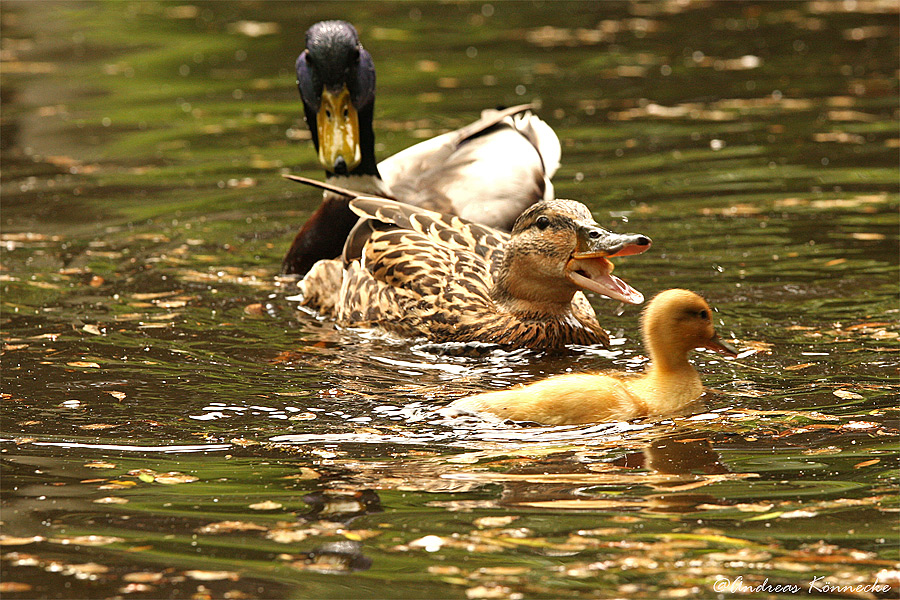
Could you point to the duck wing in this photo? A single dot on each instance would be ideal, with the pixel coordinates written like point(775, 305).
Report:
point(412, 271)
point(454, 233)
point(487, 172)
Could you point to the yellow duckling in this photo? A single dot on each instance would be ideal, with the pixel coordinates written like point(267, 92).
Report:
point(674, 323)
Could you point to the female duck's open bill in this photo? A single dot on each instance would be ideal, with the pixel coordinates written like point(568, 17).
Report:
point(590, 269)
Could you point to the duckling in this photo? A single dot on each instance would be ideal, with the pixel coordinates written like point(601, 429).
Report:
point(418, 273)
point(674, 322)
point(487, 172)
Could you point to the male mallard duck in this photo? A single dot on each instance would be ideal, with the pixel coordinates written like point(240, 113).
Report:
point(415, 272)
point(674, 323)
point(487, 172)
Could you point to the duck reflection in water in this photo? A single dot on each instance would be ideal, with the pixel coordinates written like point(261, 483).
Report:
point(340, 507)
point(676, 464)
point(334, 557)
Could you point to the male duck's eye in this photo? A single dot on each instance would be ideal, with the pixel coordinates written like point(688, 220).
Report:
point(542, 222)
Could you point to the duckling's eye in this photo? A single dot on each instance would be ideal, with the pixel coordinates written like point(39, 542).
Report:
point(542, 222)
point(703, 314)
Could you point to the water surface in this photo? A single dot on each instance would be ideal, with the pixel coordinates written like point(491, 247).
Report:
point(174, 427)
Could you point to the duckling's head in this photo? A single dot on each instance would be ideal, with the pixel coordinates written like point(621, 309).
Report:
point(675, 322)
point(556, 248)
point(336, 78)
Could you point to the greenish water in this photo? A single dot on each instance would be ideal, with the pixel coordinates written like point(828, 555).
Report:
point(145, 331)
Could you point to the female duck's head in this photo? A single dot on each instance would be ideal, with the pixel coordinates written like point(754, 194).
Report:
point(556, 248)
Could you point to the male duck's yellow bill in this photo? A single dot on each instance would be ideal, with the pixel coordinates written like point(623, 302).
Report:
point(338, 125)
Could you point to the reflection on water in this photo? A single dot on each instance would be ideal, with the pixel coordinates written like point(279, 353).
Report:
point(174, 427)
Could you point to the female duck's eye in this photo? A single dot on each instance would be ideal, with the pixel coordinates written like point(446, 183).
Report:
point(542, 222)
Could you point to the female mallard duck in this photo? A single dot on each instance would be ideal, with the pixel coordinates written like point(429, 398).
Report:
point(674, 323)
point(416, 273)
point(487, 172)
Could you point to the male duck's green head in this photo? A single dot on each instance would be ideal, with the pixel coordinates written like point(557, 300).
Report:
point(336, 79)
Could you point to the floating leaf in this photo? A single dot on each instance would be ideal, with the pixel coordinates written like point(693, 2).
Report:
point(212, 575)
point(171, 303)
point(860, 425)
point(243, 443)
point(766, 516)
point(826, 450)
point(154, 295)
point(799, 514)
point(867, 463)
point(710, 538)
point(140, 588)
point(868, 237)
point(267, 505)
point(7, 540)
point(230, 527)
point(143, 577)
point(304, 416)
point(118, 485)
point(489, 522)
point(174, 477)
point(255, 310)
point(89, 540)
point(99, 464)
point(799, 367)
point(111, 500)
point(847, 395)
point(83, 364)
point(287, 536)
point(358, 535)
point(492, 591)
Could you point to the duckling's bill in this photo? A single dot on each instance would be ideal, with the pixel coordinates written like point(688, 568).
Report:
point(338, 125)
point(721, 346)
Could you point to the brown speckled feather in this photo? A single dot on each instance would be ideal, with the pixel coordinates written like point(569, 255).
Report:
point(418, 273)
